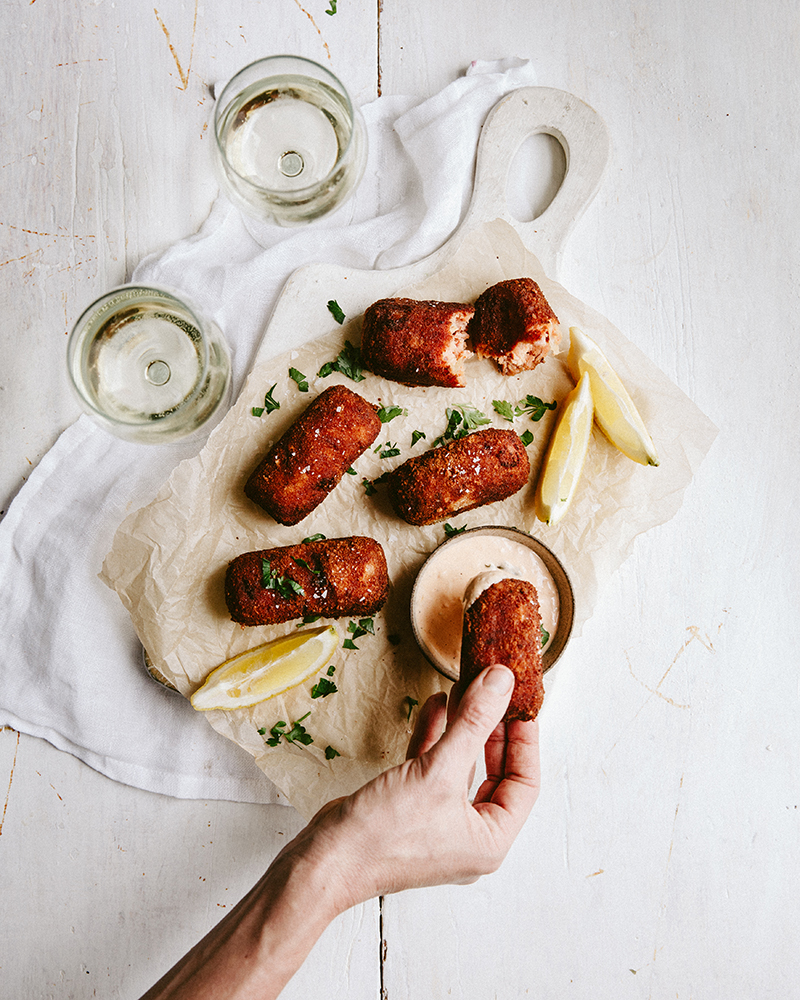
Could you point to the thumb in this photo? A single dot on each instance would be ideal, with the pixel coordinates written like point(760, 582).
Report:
point(479, 712)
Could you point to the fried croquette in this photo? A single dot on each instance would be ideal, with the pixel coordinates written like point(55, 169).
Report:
point(514, 325)
point(417, 342)
point(308, 462)
point(504, 625)
point(478, 469)
point(332, 577)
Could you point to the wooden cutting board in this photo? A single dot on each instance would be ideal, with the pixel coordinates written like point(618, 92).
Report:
point(523, 113)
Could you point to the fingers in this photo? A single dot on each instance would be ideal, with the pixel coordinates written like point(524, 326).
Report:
point(515, 788)
point(429, 726)
point(479, 711)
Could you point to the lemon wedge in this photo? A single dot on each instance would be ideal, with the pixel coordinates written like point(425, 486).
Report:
point(614, 410)
point(566, 454)
point(267, 670)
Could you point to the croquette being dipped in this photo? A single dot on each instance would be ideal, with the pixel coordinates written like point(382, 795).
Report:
point(503, 625)
point(332, 577)
point(308, 462)
point(478, 469)
point(514, 325)
point(417, 342)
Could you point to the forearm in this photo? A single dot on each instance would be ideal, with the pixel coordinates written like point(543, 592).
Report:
point(256, 949)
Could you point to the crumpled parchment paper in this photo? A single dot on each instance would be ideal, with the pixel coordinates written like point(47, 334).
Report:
point(168, 559)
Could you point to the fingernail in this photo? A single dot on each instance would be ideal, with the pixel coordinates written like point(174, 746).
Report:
point(499, 679)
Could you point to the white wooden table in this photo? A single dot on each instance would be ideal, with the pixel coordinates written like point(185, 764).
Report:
point(662, 857)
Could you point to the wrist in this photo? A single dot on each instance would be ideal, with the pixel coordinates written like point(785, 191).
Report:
point(297, 898)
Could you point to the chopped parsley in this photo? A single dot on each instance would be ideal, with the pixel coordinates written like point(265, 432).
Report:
point(299, 378)
point(450, 531)
point(545, 635)
point(308, 620)
point(369, 489)
point(297, 734)
point(364, 626)
point(505, 409)
point(347, 363)
point(387, 450)
point(526, 438)
point(271, 404)
point(315, 570)
point(319, 537)
point(284, 585)
point(411, 702)
point(387, 413)
point(330, 753)
point(323, 688)
point(532, 405)
point(416, 436)
point(535, 407)
point(333, 306)
point(331, 11)
point(460, 421)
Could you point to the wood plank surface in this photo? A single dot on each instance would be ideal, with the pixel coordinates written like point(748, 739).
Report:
point(660, 860)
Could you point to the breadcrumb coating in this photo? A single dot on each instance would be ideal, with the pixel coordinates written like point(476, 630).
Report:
point(504, 625)
point(514, 325)
point(331, 577)
point(417, 342)
point(308, 462)
point(478, 469)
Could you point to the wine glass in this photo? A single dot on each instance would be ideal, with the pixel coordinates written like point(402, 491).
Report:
point(147, 366)
point(290, 145)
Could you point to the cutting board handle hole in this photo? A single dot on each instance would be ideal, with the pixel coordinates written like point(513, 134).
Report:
point(535, 174)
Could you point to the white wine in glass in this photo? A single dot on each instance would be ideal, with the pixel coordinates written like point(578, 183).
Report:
point(290, 145)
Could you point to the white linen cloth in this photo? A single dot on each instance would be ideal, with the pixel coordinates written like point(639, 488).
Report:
point(71, 668)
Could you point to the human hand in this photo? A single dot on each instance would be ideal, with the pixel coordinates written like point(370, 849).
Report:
point(414, 825)
point(411, 826)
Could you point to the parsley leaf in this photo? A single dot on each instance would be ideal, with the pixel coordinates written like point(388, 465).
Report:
point(416, 437)
point(332, 11)
point(411, 702)
point(450, 531)
point(275, 734)
point(389, 450)
point(369, 489)
point(348, 363)
point(535, 407)
point(319, 537)
point(257, 411)
point(284, 585)
point(298, 734)
point(387, 413)
point(333, 306)
point(526, 437)
point(460, 421)
point(330, 753)
point(545, 635)
point(271, 404)
point(505, 409)
point(308, 620)
point(299, 378)
point(323, 688)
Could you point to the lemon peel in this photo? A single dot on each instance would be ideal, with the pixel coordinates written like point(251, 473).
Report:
point(614, 410)
point(267, 670)
point(566, 454)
